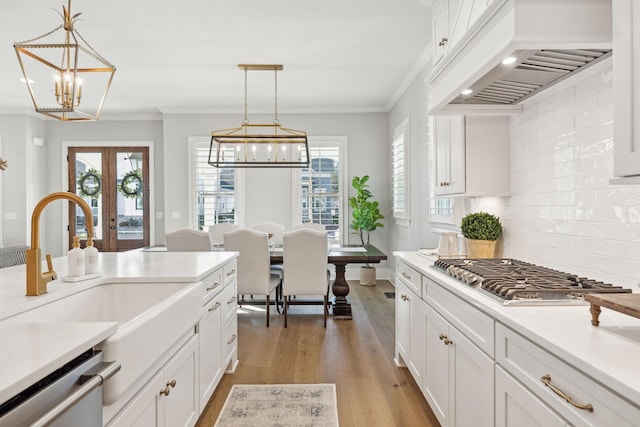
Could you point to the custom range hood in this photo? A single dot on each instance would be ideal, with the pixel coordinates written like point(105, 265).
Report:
point(514, 50)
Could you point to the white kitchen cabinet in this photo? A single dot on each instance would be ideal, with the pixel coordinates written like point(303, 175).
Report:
point(626, 88)
point(439, 28)
point(437, 369)
point(409, 322)
point(229, 338)
point(196, 367)
point(458, 376)
point(170, 398)
point(472, 156)
point(450, 20)
point(564, 389)
point(210, 331)
point(216, 328)
point(450, 155)
point(516, 406)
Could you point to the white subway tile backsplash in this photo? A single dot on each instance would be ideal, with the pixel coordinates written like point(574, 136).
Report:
point(562, 212)
point(593, 80)
point(593, 117)
point(580, 106)
point(557, 128)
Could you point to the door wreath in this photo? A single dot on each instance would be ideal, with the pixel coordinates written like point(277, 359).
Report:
point(131, 184)
point(90, 183)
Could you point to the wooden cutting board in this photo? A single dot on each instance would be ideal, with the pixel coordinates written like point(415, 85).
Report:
point(624, 303)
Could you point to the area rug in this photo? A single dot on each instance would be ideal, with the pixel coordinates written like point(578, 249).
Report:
point(280, 405)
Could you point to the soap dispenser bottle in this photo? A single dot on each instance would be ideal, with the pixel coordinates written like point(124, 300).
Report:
point(91, 257)
point(75, 259)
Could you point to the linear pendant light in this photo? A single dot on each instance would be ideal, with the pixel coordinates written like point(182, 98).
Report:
point(259, 145)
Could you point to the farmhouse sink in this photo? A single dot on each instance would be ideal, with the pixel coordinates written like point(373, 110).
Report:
point(152, 317)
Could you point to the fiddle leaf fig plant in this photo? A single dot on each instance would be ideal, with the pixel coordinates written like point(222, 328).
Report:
point(481, 226)
point(366, 213)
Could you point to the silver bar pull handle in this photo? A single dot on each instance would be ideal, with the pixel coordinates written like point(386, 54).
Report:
point(90, 381)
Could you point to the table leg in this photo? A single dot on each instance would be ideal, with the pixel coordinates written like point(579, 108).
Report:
point(595, 314)
point(341, 306)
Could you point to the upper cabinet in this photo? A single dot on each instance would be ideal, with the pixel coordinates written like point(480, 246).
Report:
point(626, 88)
point(450, 21)
point(548, 40)
point(472, 156)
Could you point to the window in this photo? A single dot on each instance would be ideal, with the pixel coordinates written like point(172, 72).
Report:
point(320, 187)
point(214, 191)
point(400, 174)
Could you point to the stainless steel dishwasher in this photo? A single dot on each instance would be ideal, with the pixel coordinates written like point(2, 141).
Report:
point(69, 397)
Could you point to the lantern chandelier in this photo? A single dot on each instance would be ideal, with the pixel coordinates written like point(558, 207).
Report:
point(68, 81)
point(259, 145)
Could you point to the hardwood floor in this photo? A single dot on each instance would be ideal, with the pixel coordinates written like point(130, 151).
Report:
point(356, 355)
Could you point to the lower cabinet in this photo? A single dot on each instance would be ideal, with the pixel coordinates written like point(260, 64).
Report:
point(478, 372)
point(516, 406)
point(218, 331)
point(562, 388)
point(409, 327)
point(458, 377)
point(171, 397)
point(210, 331)
point(179, 391)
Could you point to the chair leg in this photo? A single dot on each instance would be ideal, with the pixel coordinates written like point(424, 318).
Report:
point(268, 303)
point(278, 296)
point(285, 311)
point(324, 309)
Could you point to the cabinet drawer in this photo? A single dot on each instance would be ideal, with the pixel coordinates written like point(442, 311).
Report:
point(411, 277)
point(229, 341)
point(474, 324)
point(229, 301)
point(212, 285)
point(532, 365)
point(230, 271)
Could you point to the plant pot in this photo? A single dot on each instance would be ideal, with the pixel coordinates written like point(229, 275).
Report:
point(480, 248)
point(367, 275)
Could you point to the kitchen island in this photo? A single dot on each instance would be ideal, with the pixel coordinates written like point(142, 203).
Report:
point(512, 365)
point(33, 348)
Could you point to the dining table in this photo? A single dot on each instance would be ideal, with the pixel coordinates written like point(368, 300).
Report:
point(338, 255)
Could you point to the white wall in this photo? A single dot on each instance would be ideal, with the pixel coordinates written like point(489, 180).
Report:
point(25, 166)
point(413, 105)
point(268, 192)
point(562, 212)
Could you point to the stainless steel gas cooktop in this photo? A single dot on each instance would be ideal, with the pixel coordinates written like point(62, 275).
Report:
point(513, 282)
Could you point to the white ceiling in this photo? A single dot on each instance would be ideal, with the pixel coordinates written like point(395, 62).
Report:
point(182, 56)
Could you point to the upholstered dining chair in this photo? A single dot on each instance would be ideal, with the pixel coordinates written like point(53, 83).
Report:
point(305, 268)
point(276, 231)
point(217, 231)
point(187, 240)
point(310, 226)
point(254, 274)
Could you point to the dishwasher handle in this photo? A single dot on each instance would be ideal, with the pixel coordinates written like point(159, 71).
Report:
point(89, 381)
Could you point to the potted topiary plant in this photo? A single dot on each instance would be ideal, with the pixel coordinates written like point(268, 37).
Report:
point(481, 230)
point(366, 218)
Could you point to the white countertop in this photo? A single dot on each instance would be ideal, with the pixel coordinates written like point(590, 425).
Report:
point(609, 353)
point(30, 351)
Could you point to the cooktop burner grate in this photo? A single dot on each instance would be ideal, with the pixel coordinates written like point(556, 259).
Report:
point(510, 279)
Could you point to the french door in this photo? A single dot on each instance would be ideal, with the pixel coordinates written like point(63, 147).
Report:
point(114, 181)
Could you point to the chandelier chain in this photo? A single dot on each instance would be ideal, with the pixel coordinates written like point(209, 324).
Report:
point(42, 36)
point(92, 49)
point(246, 119)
